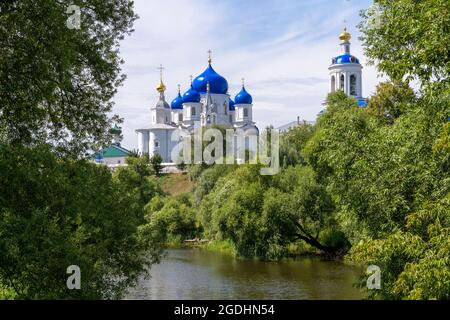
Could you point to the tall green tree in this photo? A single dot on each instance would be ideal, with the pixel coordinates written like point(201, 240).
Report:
point(56, 83)
point(56, 213)
point(405, 165)
point(297, 207)
point(407, 39)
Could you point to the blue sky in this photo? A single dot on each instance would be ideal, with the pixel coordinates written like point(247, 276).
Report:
point(281, 47)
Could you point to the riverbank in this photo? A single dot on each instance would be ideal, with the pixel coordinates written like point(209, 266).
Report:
point(224, 247)
point(294, 250)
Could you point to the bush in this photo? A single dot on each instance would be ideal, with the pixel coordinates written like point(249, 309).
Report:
point(173, 218)
point(155, 162)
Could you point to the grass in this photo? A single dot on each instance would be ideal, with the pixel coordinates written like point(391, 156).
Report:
point(224, 246)
point(299, 249)
point(176, 183)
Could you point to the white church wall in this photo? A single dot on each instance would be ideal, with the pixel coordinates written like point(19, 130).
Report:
point(160, 142)
point(189, 115)
point(241, 116)
point(143, 140)
point(177, 116)
point(113, 161)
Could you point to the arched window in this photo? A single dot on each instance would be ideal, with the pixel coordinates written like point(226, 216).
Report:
point(231, 118)
point(342, 84)
point(180, 117)
point(245, 112)
point(333, 84)
point(193, 111)
point(353, 85)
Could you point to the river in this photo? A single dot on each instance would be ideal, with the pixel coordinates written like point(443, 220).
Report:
point(186, 274)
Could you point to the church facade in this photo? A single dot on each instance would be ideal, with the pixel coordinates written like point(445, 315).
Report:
point(207, 102)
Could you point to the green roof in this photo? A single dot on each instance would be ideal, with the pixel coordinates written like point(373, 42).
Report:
point(114, 151)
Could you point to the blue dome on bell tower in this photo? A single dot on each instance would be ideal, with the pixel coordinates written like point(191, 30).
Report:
point(243, 97)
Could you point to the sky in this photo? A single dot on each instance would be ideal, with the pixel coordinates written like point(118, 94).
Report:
point(283, 49)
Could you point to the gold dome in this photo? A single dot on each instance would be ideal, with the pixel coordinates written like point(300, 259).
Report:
point(345, 36)
point(161, 87)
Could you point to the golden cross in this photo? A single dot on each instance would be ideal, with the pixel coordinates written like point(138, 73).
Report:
point(161, 68)
point(209, 56)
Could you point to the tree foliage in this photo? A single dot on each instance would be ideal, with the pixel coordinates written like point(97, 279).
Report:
point(262, 215)
point(56, 83)
point(156, 162)
point(415, 262)
point(406, 168)
point(56, 90)
point(172, 219)
point(138, 180)
point(391, 100)
point(292, 142)
point(56, 213)
point(406, 39)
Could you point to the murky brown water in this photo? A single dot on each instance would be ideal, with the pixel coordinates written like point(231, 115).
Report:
point(201, 274)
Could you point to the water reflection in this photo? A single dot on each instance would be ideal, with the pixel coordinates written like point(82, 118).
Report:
point(200, 274)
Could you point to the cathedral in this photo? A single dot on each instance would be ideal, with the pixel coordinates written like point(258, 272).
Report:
point(207, 102)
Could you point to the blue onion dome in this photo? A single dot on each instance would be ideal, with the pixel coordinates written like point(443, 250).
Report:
point(191, 95)
point(345, 58)
point(217, 83)
point(243, 97)
point(232, 105)
point(177, 103)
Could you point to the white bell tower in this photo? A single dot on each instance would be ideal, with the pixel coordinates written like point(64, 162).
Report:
point(345, 70)
point(161, 112)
